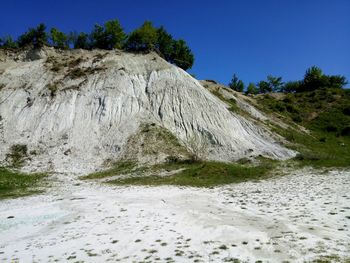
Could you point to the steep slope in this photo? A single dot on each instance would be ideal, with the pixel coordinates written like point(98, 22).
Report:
point(73, 110)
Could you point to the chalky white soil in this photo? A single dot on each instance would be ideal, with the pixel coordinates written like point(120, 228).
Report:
point(298, 217)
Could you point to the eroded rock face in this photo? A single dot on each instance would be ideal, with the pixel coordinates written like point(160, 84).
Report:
point(76, 109)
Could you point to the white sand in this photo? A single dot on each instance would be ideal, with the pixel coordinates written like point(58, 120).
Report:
point(298, 218)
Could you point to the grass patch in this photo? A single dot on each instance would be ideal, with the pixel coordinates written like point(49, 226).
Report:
point(324, 110)
point(122, 167)
point(200, 174)
point(318, 149)
point(15, 184)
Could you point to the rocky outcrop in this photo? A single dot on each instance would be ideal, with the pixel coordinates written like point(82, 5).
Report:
point(76, 109)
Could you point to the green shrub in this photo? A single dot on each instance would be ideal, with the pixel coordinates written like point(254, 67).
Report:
point(252, 89)
point(143, 38)
point(108, 36)
point(8, 43)
point(59, 39)
point(279, 107)
point(236, 84)
point(290, 108)
point(81, 40)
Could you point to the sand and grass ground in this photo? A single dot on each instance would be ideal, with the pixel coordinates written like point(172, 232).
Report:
point(184, 211)
point(299, 217)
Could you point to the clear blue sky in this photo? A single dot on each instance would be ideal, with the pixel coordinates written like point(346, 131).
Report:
point(250, 38)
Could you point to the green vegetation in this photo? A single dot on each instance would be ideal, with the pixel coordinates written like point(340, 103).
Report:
point(236, 84)
point(314, 79)
point(35, 36)
point(143, 38)
point(118, 168)
point(325, 110)
point(109, 36)
point(325, 113)
point(272, 84)
point(252, 89)
point(318, 149)
point(165, 44)
point(7, 42)
point(199, 174)
point(291, 86)
point(180, 167)
point(80, 40)
point(182, 55)
point(318, 123)
point(59, 39)
point(14, 184)
point(148, 38)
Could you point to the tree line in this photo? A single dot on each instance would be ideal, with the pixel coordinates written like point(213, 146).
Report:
point(313, 79)
point(108, 36)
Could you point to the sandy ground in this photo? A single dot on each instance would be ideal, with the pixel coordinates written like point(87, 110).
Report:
point(298, 218)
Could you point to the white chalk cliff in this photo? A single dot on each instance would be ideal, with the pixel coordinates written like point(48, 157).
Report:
point(76, 109)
